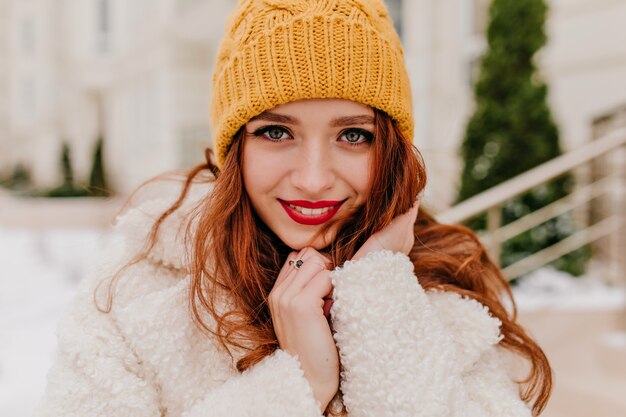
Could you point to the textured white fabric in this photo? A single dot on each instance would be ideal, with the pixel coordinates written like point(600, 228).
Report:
point(406, 352)
point(403, 352)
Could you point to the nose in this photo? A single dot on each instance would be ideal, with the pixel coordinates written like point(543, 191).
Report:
point(313, 173)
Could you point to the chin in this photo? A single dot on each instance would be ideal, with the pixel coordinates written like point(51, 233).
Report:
point(298, 243)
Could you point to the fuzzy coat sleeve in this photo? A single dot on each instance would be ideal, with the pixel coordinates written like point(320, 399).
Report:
point(408, 353)
point(138, 359)
point(97, 374)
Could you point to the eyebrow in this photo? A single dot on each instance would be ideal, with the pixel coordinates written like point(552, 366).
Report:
point(275, 117)
point(352, 120)
point(337, 122)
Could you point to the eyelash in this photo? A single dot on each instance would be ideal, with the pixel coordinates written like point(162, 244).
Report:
point(263, 130)
point(368, 136)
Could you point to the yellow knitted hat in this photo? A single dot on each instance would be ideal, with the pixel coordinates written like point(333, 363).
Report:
point(278, 51)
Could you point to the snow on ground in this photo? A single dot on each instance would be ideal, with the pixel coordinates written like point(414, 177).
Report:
point(38, 279)
point(549, 288)
point(41, 270)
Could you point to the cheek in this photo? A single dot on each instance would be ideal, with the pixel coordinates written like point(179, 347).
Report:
point(367, 177)
point(355, 172)
point(358, 173)
point(260, 172)
point(249, 169)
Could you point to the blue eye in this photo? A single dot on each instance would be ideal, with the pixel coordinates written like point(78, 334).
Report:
point(273, 133)
point(356, 136)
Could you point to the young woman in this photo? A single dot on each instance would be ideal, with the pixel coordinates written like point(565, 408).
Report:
point(296, 277)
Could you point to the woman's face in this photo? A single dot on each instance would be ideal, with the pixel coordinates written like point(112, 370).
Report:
point(306, 162)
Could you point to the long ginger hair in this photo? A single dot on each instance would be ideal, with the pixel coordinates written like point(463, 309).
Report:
point(245, 256)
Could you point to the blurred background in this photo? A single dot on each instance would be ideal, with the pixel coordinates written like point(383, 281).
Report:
point(520, 113)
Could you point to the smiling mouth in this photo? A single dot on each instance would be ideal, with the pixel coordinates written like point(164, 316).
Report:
point(311, 213)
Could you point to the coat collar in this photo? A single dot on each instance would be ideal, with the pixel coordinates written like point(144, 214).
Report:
point(171, 248)
point(470, 323)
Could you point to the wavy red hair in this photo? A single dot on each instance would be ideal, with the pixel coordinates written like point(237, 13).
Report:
point(245, 256)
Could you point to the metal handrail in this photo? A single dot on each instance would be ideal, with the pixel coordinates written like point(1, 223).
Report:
point(601, 229)
point(561, 206)
point(493, 200)
point(510, 189)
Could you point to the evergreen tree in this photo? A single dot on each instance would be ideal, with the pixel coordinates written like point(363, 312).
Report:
point(512, 130)
point(97, 178)
point(21, 178)
point(67, 187)
point(66, 166)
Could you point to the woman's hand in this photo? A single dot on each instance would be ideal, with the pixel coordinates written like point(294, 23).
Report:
point(397, 236)
point(297, 306)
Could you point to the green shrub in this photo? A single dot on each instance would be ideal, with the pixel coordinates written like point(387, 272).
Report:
point(512, 129)
point(97, 179)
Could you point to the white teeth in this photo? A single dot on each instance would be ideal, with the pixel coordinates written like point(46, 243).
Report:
point(310, 212)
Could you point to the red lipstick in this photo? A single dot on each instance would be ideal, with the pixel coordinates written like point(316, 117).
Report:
point(310, 219)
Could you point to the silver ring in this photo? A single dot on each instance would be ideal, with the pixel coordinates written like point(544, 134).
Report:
point(296, 264)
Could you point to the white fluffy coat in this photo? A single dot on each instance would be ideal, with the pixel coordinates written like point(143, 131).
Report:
point(404, 352)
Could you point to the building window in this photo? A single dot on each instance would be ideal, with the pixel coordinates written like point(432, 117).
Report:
point(395, 12)
point(103, 27)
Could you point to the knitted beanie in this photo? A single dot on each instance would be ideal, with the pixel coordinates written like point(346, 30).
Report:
point(278, 51)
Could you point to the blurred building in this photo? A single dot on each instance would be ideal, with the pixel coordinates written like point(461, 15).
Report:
point(138, 73)
point(5, 157)
point(584, 64)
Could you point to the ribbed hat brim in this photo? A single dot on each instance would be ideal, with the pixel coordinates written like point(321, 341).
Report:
point(312, 57)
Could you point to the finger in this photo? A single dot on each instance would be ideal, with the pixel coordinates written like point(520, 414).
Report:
point(286, 273)
point(328, 304)
point(327, 258)
point(310, 267)
point(415, 210)
point(409, 216)
point(309, 254)
point(287, 269)
point(312, 263)
point(319, 286)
